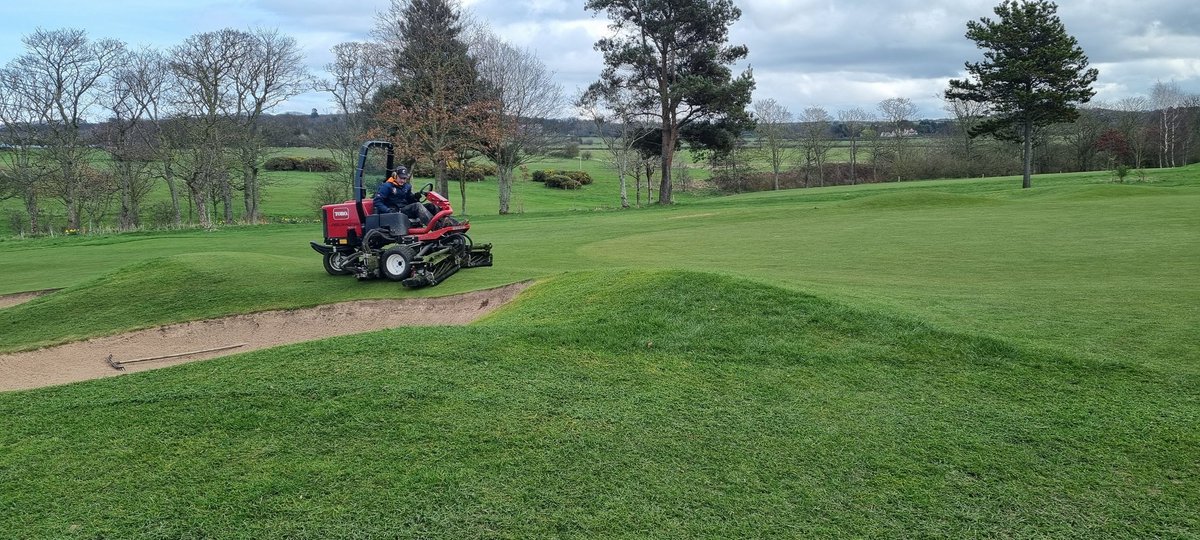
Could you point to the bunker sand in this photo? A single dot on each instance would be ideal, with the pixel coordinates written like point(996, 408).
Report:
point(84, 360)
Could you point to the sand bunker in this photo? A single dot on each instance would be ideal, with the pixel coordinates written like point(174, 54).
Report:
point(85, 360)
point(9, 300)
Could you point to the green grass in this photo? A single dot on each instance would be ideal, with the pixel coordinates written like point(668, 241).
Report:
point(953, 358)
point(615, 404)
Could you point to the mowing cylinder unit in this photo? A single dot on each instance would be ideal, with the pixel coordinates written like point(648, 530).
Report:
point(391, 245)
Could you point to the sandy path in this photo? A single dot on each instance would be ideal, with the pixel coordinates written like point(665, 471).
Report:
point(85, 360)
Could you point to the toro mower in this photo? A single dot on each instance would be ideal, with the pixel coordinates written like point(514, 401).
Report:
point(368, 245)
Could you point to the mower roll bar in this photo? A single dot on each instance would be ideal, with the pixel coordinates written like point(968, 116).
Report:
point(360, 190)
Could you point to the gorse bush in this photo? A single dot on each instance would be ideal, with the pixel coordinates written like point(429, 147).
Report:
point(562, 181)
point(582, 177)
point(280, 163)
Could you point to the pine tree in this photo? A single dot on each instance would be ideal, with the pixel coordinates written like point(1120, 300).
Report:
point(1033, 73)
point(673, 56)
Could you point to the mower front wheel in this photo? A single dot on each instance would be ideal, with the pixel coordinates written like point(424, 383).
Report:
point(335, 264)
point(396, 263)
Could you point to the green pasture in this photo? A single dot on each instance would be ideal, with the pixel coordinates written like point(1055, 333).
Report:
point(925, 359)
point(288, 195)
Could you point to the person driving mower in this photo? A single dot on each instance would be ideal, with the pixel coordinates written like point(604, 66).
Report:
point(395, 195)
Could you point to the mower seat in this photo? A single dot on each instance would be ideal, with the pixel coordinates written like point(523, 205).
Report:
point(395, 221)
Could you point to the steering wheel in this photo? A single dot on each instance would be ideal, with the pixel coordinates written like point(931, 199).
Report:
point(420, 195)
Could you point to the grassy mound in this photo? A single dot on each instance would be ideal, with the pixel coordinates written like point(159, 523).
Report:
point(615, 404)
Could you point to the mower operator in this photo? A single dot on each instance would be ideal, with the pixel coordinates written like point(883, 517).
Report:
point(395, 195)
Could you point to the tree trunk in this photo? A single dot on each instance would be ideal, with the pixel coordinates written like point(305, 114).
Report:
point(624, 189)
point(853, 159)
point(127, 219)
point(200, 199)
point(439, 176)
point(462, 192)
point(227, 198)
point(504, 185)
point(668, 155)
point(31, 207)
point(250, 195)
point(169, 178)
point(1028, 157)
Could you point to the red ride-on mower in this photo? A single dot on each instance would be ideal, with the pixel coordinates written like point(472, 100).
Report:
point(358, 241)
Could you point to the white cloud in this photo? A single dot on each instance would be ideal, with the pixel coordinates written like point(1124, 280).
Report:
point(836, 54)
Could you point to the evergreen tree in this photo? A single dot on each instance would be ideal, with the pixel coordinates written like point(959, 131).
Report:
point(1033, 73)
point(673, 56)
point(438, 107)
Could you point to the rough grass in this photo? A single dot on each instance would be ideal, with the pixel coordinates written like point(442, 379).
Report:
point(616, 405)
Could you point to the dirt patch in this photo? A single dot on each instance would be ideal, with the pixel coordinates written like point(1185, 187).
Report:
point(10, 300)
point(85, 360)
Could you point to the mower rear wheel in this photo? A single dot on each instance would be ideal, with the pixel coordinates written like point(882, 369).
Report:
point(396, 263)
point(335, 264)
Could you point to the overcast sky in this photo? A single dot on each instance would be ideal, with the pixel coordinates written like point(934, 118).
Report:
point(833, 54)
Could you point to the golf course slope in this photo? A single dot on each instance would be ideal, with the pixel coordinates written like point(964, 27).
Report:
point(614, 404)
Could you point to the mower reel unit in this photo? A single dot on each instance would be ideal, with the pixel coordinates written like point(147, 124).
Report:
point(368, 245)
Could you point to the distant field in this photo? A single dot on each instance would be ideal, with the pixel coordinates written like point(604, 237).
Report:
point(922, 359)
point(288, 195)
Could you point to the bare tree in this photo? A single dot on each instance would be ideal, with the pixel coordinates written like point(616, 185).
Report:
point(358, 71)
point(133, 90)
point(1168, 99)
point(524, 91)
point(854, 121)
point(613, 112)
point(205, 66)
point(898, 112)
point(815, 140)
point(774, 132)
point(1131, 122)
point(64, 71)
point(22, 163)
point(966, 115)
point(1082, 135)
point(271, 72)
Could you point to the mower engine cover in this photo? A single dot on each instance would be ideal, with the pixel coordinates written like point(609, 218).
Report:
point(340, 219)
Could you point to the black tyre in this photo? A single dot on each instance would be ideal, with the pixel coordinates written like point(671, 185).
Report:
point(396, 263)
point(335, 264)
point(460, 242)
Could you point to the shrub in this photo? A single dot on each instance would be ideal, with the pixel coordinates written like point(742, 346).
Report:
point(586, 155)
point(571, 184)
point(283, 163)
point(423, 170)
point(161, 214)
point(582, 177)
point(557, 180)
point(471, 172)
point(320, 164)
point(1121, 171)
point(17, 221)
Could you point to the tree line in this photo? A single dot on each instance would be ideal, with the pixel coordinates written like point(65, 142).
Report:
point(94, 124)
point(445, 89)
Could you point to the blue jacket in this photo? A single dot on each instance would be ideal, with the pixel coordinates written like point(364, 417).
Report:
point(390, 198)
